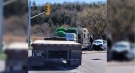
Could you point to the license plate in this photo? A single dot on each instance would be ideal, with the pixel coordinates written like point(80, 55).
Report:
point(38, 54)
point(17, 67)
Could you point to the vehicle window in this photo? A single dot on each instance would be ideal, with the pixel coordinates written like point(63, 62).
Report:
point(70, 35)
point(84, 35)
point(97, 42)
point(120, 46)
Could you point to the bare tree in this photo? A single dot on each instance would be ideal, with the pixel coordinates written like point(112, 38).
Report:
point(94, 19)
point(121, 18)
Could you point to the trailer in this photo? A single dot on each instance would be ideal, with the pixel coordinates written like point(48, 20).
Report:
point(56, 50)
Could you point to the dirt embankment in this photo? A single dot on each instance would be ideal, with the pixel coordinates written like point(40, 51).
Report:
point(10, 38)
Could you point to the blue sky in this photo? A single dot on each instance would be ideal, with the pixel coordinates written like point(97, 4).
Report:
point(61, 1)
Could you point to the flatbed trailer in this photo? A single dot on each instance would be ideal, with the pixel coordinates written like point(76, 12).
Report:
point(53, 50)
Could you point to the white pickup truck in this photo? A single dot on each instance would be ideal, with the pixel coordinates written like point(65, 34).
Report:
point(56, 50)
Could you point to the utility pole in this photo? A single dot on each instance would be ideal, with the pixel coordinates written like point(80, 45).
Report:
point(48, 9)
point(29, 22)
point(1, 22)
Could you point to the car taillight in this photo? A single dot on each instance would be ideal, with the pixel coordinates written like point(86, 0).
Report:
point(38, 53)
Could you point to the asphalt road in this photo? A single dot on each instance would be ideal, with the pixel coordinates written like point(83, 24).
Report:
point(92, 62)
point(121, 67)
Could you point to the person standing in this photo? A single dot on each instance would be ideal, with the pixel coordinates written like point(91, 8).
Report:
point(91, 40)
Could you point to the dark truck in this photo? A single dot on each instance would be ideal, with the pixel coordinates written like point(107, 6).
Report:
point(56, 50)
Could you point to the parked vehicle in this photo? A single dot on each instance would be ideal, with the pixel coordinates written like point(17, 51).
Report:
point(122, 50)
point(17, 58)
point(56, 50)
point(99, 44)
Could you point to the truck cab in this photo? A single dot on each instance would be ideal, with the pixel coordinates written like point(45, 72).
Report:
point(83, 37)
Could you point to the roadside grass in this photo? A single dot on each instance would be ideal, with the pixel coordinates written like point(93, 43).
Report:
point(2, 56)
point(30, 48)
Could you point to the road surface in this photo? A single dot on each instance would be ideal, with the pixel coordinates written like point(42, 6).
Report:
point(121, 67)
point(92, 62)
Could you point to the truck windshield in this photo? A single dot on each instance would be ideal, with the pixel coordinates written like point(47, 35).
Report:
point(70, 36)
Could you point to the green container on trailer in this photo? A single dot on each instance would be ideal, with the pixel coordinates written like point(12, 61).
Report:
point(71, 30)
point(61, 34)
point(61, 29)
